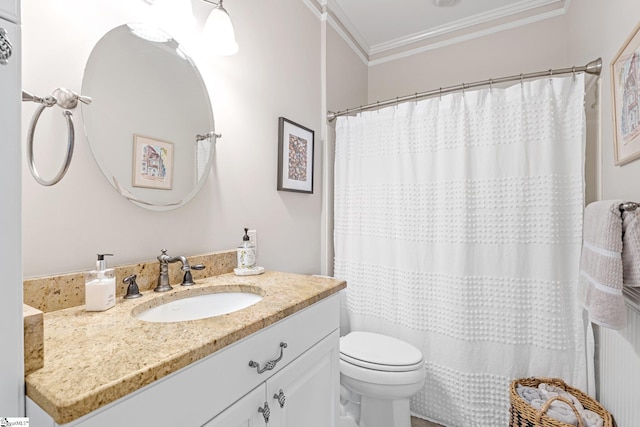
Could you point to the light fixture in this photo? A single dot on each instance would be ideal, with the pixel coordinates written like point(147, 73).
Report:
point(219, 31)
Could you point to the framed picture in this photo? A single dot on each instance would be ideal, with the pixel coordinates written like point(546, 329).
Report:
point(295, 157)
point(625, 89)
point(152, 163)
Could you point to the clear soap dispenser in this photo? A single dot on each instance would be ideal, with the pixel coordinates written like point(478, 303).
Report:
point(246, 252)
point(100, 286)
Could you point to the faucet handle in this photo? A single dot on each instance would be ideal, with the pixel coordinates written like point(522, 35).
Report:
point(132, 290)
point(188, 278)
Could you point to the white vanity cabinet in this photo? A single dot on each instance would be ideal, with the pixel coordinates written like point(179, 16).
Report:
point(224, 390)
point(301, 394)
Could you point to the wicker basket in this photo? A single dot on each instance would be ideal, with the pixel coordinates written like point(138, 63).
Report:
point(522, 414)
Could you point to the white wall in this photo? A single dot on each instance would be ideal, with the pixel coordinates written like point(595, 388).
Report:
point(277, 72)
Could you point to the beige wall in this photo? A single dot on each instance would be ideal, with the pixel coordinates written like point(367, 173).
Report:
point(277, 72)
point(534, 47)
point(347, 74)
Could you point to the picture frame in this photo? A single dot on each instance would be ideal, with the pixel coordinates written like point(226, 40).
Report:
point(152, 163)
point(625, 94)
point(295, 157)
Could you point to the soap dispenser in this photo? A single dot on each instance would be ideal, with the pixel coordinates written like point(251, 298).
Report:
point(100, 286)
point(246, 252)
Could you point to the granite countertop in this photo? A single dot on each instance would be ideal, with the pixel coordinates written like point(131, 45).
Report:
point(94, 358)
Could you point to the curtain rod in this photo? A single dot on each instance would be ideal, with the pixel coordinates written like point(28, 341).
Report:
point(593, 67)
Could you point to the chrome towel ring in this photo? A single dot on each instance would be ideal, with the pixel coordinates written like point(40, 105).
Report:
point(67, 100)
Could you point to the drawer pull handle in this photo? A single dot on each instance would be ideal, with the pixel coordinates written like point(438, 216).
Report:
point(266, 412)
point(280, 397)
point(5, 47)
point(271, 363)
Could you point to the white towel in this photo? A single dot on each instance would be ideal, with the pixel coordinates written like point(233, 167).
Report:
point(590, 418)
point(529, 394)
point(631, 248)
point(558, 411)
point(550, 390)
point(601, 280)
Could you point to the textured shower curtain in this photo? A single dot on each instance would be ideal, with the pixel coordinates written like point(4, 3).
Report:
point(458, 225)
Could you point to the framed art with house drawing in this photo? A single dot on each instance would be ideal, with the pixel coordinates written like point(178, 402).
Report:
point(625, 90)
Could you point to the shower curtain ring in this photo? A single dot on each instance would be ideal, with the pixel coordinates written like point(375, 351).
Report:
point(490, 85)
point(573, 71)
point(521, 80)
point(440, 93)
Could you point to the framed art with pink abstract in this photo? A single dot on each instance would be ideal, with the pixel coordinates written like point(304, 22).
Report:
point(295, 157)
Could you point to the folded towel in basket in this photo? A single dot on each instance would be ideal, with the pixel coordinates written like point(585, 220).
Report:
point(558, 411)
point(550, 390)
point(591, 419)
point(601, 279)
point(631, 248)
point(529, 394)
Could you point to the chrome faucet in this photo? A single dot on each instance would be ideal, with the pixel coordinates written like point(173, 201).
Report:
point(163, 278)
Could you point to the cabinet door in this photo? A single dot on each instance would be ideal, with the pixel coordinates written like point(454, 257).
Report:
point(306, 392)
point(243, 413)
point(10, 10)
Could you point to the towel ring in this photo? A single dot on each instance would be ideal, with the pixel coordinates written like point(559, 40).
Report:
point(66, 100)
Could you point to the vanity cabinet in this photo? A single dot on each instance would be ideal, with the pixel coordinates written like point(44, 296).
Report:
point(301, 394)
point(222, 389)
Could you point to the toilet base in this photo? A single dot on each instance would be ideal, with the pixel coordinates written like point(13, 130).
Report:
point(384, 412)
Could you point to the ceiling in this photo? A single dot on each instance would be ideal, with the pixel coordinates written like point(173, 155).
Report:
point(381, 30)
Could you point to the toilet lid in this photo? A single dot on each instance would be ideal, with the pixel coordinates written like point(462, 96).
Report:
point(380, 352)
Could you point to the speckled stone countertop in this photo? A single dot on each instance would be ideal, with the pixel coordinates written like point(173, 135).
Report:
point(94, 358)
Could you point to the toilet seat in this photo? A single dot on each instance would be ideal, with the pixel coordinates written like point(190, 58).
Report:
point(369, 350)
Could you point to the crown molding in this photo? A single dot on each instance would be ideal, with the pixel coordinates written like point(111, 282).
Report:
point(347, 25)
point(462, 24)
point(445, 35)
point(467, 37)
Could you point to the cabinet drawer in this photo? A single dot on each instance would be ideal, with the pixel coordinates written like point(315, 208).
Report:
point(10, 10)
point(196, 393)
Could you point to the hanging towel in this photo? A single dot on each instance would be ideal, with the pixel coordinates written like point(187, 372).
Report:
point(601, 279)
point(631, 248)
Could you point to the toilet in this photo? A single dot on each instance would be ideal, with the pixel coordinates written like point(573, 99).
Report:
point(378, 376)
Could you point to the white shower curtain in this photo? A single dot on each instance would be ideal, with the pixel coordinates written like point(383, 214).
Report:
point(458, 225)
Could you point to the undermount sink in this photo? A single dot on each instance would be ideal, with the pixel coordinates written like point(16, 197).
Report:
point(199, 307)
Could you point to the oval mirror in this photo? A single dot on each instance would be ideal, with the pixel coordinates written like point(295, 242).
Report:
point(150, 125)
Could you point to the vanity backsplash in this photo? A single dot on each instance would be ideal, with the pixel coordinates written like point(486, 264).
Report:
point(53, 293)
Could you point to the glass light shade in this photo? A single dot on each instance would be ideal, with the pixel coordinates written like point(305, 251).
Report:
point(219, 32)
